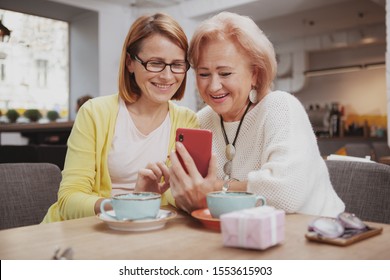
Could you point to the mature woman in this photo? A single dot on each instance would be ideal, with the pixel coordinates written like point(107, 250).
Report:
point(262, 139)
point(120, 142)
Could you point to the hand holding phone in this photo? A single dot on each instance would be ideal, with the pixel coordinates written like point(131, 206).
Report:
point(198, 144)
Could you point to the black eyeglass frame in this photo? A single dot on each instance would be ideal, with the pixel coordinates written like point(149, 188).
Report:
point(146, 63)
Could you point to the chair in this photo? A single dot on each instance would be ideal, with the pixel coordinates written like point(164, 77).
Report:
point(381, 149)
point(358, 150)
point(364, 188)
point(27, 190)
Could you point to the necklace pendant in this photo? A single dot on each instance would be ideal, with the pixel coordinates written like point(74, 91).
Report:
point(230, 151)
point(227, 168)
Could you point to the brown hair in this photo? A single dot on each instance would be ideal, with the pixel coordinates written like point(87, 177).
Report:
point(244, 32)
point(142, 28)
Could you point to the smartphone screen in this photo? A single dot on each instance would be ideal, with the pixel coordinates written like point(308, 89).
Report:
point(198, 144)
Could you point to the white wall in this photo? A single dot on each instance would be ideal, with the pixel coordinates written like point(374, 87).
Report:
point(362, 92)
point(114, 23)
point(84, 59)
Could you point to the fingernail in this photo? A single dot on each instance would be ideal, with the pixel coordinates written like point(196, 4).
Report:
point(179, 145)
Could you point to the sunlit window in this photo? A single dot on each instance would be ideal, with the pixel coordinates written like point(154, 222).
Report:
point(34, 64)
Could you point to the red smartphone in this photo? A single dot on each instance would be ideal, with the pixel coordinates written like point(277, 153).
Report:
point(198, 144)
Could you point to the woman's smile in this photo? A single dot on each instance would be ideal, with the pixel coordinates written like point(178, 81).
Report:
point(219, 96)
point(162, 86)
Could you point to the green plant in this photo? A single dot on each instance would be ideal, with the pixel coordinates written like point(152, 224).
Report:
point(52, 115)
point(33, 114)
point(12, 115)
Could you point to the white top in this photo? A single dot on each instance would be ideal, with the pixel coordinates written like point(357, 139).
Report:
point(131, 150)
point(277, 153)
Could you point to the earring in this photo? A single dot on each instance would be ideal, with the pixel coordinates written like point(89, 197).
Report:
point(253, 96)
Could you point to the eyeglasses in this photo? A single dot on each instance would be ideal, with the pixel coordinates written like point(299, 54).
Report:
point(345, 225)
point(156, 66)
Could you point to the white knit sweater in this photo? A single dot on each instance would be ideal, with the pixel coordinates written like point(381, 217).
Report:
point(277, 153)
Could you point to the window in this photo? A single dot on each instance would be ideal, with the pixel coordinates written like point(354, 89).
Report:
point(34, 64)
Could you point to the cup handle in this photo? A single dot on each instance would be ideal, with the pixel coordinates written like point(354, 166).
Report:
point(262, 199)
point(103, 211)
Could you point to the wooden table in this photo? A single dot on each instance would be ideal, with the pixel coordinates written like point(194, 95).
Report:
point(182, 238)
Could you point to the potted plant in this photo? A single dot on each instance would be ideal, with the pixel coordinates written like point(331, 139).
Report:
point(52, 115)
point(33, 114)
point(12, 115)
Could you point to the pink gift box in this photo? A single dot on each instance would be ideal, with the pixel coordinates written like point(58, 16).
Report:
point(254, 228)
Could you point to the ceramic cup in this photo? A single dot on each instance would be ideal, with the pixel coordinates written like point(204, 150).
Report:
point(133, 206)
point(224, 202)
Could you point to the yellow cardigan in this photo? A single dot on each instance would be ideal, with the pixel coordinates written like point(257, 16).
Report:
point(85, 177)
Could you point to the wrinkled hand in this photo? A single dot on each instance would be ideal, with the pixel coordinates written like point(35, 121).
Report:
point(149, 178)
point(189, 190)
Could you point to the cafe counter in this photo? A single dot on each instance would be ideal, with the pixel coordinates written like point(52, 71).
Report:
point(41, 133)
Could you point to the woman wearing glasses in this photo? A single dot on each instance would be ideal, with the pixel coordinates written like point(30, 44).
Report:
point(119, 143)
point(262, 139)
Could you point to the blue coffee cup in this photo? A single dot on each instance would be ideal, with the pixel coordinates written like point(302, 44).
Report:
point(133, 206)
point(222, 202)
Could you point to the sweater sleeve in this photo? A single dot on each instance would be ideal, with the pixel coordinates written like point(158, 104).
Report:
point(288, 155)
point(85, 177)
point(76, 196)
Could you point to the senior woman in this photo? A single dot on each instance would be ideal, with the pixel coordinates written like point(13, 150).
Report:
point(263, 141)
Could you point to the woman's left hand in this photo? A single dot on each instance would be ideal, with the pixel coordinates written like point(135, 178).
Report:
point(149, 178)
point(190, 189)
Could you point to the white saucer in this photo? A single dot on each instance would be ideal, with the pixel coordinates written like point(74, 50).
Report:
point(138, 225)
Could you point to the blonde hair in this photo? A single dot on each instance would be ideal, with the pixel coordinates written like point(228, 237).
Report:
point(142, 28)
point(242, 31)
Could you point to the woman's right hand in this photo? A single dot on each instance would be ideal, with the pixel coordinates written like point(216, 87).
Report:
point(190, 189)
point(150, 178)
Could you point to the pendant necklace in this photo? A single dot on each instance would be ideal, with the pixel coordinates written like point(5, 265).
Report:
point(230, 150)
